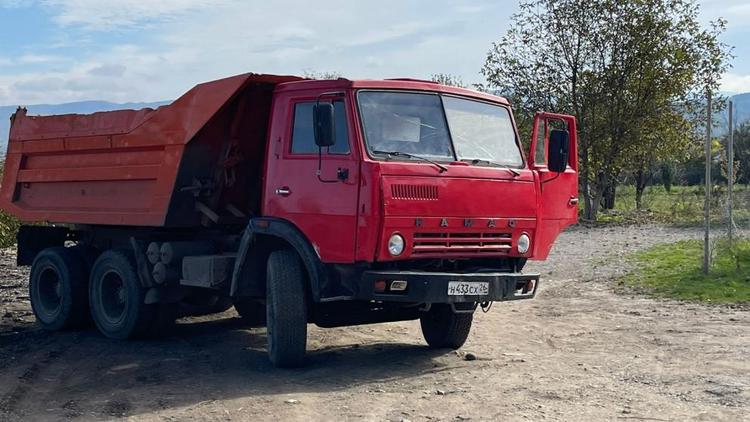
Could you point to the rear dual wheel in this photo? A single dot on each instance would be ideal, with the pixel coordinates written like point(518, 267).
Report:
point(117, 299)
point(57, 288)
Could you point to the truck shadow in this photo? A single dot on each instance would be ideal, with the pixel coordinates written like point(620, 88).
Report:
point(87, 375)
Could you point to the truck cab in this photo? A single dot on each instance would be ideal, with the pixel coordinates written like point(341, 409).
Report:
point(334, 202)
point(441, 167)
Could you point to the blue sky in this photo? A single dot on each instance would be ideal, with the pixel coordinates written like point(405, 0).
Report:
point(54, 51)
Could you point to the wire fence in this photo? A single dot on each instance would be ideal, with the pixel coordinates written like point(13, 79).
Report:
point(730, 201)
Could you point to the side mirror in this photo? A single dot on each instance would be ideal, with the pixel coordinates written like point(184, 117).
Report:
point(323, 120)
point(558, 150)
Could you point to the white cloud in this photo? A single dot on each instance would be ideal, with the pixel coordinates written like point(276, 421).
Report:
point(39, 58)
point(12, 4)
point(105, 15)
point(192, 41)
point(735, 84)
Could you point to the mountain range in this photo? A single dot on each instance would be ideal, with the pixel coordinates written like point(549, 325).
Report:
point(742, 105)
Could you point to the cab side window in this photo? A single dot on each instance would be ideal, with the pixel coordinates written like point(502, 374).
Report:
point(303, 137)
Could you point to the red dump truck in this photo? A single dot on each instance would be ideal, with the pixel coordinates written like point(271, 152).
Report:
point(333, 202)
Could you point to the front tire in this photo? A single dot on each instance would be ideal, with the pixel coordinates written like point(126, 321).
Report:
point(117, 297)
point(286, 309)
point(444, 329)
point(57, 289)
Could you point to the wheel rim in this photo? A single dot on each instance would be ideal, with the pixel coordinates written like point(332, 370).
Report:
point(113, 298)
point(50, 293)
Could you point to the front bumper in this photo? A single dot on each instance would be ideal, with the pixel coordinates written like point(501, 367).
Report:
point(432, 287)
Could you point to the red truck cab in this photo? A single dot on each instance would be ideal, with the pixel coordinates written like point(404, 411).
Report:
point(333, 202)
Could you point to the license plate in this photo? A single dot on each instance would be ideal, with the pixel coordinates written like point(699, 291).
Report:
point(468, 288)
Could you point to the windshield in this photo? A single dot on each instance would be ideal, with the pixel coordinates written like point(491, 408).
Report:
point(482, 131)
point(405, 122)
point(424, 124)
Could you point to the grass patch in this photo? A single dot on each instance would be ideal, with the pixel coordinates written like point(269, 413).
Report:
point(674, 271)
point(682, 206)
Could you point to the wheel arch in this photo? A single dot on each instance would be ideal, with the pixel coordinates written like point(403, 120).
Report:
point(262, 236)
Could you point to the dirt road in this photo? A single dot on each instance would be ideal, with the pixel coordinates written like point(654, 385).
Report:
point(577, 352)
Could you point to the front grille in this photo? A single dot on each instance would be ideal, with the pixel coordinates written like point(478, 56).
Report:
point(461, 243)
point(414, 192)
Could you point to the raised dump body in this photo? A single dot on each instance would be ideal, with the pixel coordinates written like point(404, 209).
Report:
point(199, 157)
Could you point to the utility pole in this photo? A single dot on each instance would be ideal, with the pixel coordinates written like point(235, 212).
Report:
point(730, 181)
point(707, 204)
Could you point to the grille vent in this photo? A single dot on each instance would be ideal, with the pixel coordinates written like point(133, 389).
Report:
point(461, 243)
point(414, 192)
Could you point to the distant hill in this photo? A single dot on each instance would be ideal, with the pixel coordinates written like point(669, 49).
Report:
point(742, 105)
point(81, 107)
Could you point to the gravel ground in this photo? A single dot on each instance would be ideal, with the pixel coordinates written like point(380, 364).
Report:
point(578, 351)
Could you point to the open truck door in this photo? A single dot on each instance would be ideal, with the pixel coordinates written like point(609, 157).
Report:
point(554, 157)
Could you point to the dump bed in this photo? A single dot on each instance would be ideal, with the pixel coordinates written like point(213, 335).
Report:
point(180, 165)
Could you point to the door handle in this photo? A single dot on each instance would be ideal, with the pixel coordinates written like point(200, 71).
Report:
point(283, 191)
point(573, 201)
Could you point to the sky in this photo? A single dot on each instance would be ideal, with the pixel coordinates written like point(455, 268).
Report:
point(55, 51)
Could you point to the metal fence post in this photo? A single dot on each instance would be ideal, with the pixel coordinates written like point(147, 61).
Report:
point(707, 205)
point(730, 180)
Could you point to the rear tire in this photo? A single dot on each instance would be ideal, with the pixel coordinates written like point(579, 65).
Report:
point(286, 309)
point(117, 297)
point(444, 329)
point(58, 289)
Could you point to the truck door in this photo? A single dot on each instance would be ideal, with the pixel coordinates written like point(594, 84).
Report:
point(323, 207)
point(557, 192)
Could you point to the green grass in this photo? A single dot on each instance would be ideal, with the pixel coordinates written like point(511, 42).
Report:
point(674, 271)
point(682, 206)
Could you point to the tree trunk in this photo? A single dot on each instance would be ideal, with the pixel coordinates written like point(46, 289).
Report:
point(609, 195)
point(641, 180)
point(585, 185)
point(601, 183)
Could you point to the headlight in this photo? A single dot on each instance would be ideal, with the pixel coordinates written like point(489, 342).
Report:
point(523, 243)
point(396, 245)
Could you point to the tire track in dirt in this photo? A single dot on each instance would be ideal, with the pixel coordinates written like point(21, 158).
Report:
point(10, 401)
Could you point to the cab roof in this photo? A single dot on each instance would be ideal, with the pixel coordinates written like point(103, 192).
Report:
point(405, 84)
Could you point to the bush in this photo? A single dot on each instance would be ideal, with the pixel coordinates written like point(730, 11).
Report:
point(8, 229)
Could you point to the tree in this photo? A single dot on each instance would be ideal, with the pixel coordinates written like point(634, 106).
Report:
point(742, 152)
point(448, 79)
point(630, 71)
point(314, 74)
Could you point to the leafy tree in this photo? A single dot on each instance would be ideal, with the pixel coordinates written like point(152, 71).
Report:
point(667, 175)
point(314, 74)
point(448, 79)
point(742, 152)
point(632, 72)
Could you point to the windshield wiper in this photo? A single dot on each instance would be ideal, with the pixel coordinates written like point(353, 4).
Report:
point(441, 167)
point(475, 161)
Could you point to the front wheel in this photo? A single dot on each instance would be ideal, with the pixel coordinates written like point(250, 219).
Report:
point(443, 328)
point(286, 309)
